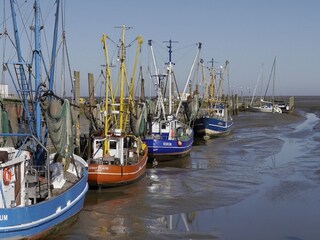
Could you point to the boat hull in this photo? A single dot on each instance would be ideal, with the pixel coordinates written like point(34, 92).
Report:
point(266, 109)
point(36, 221)
point(166, 150)
point(104, 175)
point(212, 127)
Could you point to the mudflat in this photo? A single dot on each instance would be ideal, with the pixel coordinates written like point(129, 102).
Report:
point(260, 182)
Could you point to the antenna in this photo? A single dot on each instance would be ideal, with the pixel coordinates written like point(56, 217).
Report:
point(170, 49)
point(212, 62)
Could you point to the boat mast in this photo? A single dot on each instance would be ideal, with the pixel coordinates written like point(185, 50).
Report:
point(122, 72)
point(274, 79)
point(170, 63)
point(189, 77)
point(37, 66)
point(132, 82)
point(255, 88)
point(108, 76)
point(160, 103)
point(54, 47)
point(212, 82)
point(24, 93)
point(272, 72)
point(222, 77)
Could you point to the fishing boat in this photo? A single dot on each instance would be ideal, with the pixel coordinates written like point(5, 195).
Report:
point(118, 156)
point(42, 185)
point(213, 119)
point(167, 137)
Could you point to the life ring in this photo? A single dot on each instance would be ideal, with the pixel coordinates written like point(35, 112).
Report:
point(7, 176)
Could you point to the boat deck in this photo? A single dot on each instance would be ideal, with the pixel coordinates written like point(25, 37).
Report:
point(70, 178)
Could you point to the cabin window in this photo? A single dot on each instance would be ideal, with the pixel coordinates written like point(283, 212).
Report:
point(180, 131)
point(113, 145)
point(163, 126)
point(127, 142)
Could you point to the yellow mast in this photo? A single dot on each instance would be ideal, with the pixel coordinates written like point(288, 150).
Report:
point(121, 121)
point(140, 41)
point(131, 89)
point(108, 76)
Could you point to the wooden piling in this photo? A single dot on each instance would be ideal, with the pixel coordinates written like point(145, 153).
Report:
point(76, 111)
point(91, 104)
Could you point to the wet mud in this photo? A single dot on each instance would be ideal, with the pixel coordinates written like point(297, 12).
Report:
point(260, 182)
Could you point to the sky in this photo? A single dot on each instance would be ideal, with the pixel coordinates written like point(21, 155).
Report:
point(247, 33)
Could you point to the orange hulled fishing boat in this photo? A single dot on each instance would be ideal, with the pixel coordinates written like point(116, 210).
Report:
point(118, 157)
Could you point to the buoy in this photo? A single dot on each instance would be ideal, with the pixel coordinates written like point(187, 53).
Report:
point(7, 176)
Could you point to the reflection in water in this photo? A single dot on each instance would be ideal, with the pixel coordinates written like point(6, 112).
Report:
point(188, 162)
point(289, 152)
point(182, 222)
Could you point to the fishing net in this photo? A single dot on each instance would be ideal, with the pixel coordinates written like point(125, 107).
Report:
point(59, 121)
point(139, 123)
point(194, 107)
point(4, 124)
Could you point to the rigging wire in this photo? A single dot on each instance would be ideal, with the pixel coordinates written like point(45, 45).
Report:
point(43, 19)
point(158, 47)
point(187, 53)
point(24, 20)
point(67, 52)
point(4, 33)
point(63, 56)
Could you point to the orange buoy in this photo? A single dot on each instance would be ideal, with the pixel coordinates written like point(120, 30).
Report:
point(7, 176)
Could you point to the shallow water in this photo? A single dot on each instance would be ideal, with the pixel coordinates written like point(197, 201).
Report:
point(286, 206)
point(260, 182)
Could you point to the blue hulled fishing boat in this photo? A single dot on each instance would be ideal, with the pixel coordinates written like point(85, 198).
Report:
point(42, 182)
point(213, 122)
point(212, 118)
point(167, 137)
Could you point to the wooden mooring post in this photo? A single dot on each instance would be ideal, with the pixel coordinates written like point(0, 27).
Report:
point(91, 104)
point(76, 111)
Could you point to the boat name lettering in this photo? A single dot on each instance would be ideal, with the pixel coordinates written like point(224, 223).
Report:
point(167, 144)
point(102, 168)
point(98, 168)
point(3, 217)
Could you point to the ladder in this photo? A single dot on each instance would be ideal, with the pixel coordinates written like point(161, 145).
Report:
point(25, 93)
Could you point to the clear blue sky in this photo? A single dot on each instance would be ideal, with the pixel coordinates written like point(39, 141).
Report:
point(247, 33)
